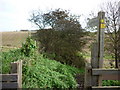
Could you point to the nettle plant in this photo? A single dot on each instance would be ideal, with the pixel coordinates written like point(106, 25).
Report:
point(29, 47)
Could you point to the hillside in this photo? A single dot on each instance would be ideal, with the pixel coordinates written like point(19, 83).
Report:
point(13, 39)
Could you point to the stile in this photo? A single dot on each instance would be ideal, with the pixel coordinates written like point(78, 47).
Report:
point(95, 74)
point(13, 80)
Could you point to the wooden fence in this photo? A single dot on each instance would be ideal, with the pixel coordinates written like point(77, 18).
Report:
point(13, 80)
point(94, 75)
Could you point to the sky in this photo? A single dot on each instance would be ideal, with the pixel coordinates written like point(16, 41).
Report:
point(14, 14)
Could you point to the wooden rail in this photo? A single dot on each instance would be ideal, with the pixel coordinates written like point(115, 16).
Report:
point(107, 74)
point(13, 80)
point(92, 78)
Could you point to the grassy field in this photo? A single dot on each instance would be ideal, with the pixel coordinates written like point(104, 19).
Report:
point(12, 40)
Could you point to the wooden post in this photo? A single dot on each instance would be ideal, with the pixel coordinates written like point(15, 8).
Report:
point(19, 69)
point(87, 81)
point(96, 55)
point(94, 62)
point(100, 40)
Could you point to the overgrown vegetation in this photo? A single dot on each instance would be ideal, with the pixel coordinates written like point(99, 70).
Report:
point(65, 38)
point(28, 48)
point(40, 72)
point(62, 46)
point(111, 83)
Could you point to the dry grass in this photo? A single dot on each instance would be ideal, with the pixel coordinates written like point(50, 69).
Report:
point(13, 39)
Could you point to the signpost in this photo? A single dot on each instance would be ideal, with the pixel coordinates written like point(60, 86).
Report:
point(100, 42)
point(97, 51)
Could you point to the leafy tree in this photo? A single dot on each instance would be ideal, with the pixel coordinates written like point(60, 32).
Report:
point(65, 38)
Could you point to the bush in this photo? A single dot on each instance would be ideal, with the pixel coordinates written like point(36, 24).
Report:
point(62, 45)
point(28, 48)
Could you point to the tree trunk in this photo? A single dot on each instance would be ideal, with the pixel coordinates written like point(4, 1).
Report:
point(116, 58)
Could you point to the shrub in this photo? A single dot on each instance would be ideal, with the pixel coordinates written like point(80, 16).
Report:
point(28, 48)
point(62, 45)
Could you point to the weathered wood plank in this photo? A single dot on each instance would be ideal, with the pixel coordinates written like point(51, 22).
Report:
point(9, 85)
point(106, 88)
point(105, 71)
point(94, 56)
point(87, 81)
point(110, 77)
point(94, 63)
point(9, 77)
point(14, 67)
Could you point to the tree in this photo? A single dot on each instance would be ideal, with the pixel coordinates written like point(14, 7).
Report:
point(111, 10)
point(57, 19)
point(65, 38)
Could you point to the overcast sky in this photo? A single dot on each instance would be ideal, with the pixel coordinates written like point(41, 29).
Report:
point(14, 14)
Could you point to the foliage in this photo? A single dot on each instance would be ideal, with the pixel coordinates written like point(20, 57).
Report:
point(8, 57)
point(40, 72)
point(64, 39)
point(28, 48)
point(62, 46)
point(111, 83)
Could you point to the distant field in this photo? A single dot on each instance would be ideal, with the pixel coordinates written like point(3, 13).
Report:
point(12, 40)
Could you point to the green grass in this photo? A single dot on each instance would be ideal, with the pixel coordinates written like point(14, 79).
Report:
point(111, 83)
point(40, 72)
